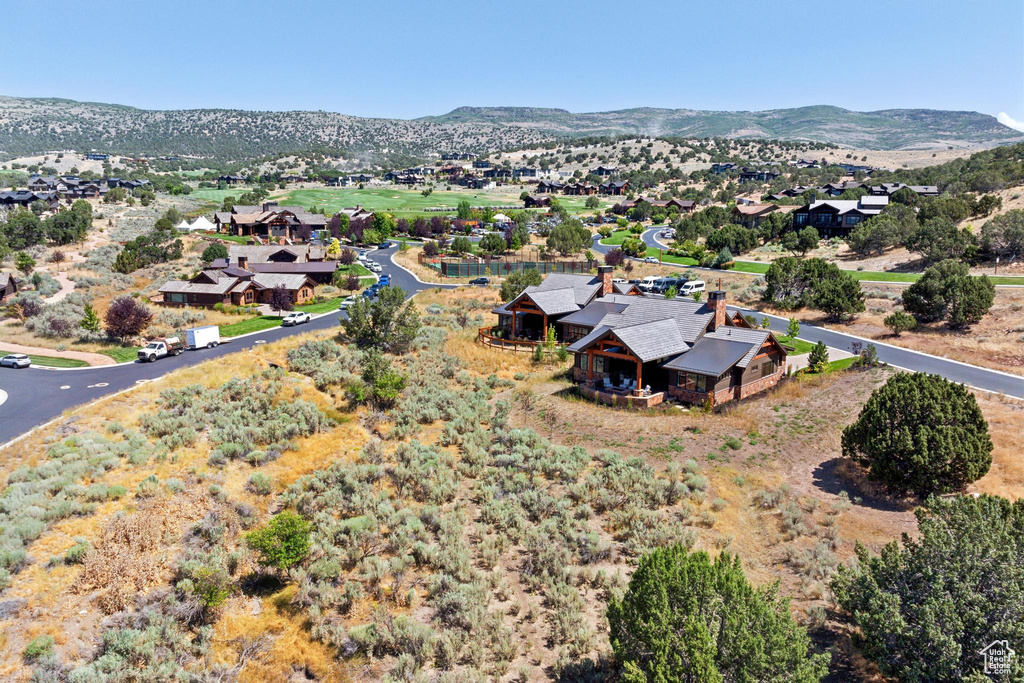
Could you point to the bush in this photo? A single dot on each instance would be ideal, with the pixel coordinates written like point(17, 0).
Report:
point(213, 252)
point(388, 323)
point(40, 646)
point(685, 617)
point(899, 322)
point(925, 610)
point(283, 543)
point(921, 434)
point(260, 484)
point(516, 282)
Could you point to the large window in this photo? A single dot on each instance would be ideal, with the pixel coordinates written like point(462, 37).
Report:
point(800, 218)
point(768, 368)
point(692, 382)
point(599, 364)
point(854, 220)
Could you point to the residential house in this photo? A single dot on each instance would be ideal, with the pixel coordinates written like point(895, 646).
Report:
point(836, 189)
point(838, 217)
point(235, 285)
point(481, 163)
point(524, 172)
point(761, 175)
point(752, 215)
point(272, 222)
point(722, 167)
point(96, 156)
point(360, 178)
point(233, 179)
point(889, 189)
point(580, 189)
point(549, 186)
point(498, 173)
point(25, 198)
point(8, 286)
point(535, 202)
point(614, 187)
point(603, 171)
point(639, 350)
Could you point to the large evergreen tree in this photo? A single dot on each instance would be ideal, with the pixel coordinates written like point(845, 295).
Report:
point(921, 434)
point(686, 618)
point(926, 610)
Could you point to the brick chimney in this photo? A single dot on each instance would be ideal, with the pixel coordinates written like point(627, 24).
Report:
point(605, 273)
point(243, 262)
point(716, 302)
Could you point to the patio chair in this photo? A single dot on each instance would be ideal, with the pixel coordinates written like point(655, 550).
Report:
point(632, 385)
point(608, 384)
point(647, 390)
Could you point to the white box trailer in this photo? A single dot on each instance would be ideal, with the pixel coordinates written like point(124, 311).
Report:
point(203, 337)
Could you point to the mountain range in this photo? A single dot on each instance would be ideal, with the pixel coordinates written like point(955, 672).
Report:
point(30, 126)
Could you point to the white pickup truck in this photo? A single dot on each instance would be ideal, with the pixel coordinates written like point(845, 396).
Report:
point(158, 348)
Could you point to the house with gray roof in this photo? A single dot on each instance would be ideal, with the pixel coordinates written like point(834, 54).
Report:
point(632, 349)
point(838, 217)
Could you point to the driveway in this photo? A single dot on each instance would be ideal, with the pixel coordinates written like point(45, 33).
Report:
point(38, 395)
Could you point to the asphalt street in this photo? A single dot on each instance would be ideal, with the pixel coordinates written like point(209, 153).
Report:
point(971, 375)
point(37, 395)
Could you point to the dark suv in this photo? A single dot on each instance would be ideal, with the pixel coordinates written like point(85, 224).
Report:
point(482, 281)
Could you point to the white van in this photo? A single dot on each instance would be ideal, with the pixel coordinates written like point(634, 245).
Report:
point(692, 286)
point(647, 283)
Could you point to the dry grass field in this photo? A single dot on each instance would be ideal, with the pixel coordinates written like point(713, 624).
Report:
point(766, 475)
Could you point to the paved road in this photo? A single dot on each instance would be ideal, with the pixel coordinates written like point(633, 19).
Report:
point(37, 395)
point(971, 375)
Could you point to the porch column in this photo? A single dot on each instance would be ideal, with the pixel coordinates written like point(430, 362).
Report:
point(513, 324)
point(545, 326)
point(590, 366)
point(639, 375)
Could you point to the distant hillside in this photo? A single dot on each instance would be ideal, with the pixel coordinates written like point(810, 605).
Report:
point(32, 125)
point(887, 129)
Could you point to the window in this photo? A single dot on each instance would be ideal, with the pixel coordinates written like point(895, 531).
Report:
point(598, 364)
point(800, 218)
point(768, 368)
point(692, 381)
point(581, 361)
point(853, 220)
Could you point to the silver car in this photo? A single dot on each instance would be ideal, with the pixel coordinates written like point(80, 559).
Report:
point(15, 360)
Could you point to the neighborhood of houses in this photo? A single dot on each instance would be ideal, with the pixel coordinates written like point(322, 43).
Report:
point(52, 189)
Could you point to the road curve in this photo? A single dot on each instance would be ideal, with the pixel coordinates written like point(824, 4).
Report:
point(38, 395)
point(907, 359)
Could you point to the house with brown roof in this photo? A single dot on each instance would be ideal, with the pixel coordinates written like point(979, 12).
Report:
point(615, 187)
point(273, 223)
point(535, 202)
point(236, 286)
point(580, 189)
point(752, 215)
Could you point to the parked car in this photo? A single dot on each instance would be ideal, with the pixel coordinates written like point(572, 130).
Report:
point(619, 280)
point(651, 259)
point(347, 301)
point(374, 266)
point(384, 245)
point(296, 318)
point(691, 287)
point(482, 281)
point(202, 337)
point(15, 360)
point(369, 293)
point(384, 280)
point(158, 348)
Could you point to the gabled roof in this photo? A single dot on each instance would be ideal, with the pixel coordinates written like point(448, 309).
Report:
point(647, 341)
point(710, 356)
point(592, 314)
point(744, 335)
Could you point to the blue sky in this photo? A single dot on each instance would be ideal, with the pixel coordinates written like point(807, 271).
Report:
point(409, 59)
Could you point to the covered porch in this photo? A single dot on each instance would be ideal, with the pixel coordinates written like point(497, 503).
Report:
point(524, 321)
point(610, 373)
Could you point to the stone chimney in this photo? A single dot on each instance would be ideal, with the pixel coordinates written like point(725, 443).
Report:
point(716, 302)
point(243, 262)
point(605, 273)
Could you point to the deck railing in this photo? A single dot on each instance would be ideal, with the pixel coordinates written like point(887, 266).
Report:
point(489, 336)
